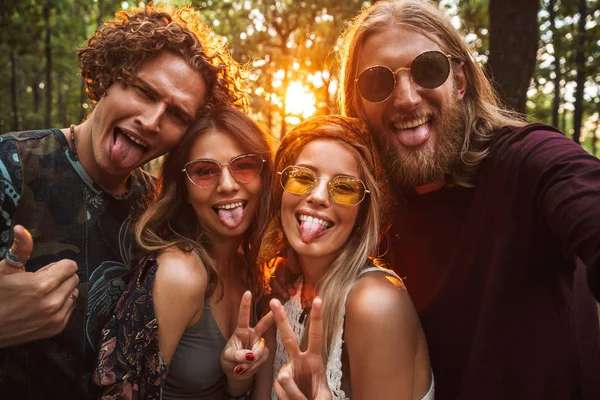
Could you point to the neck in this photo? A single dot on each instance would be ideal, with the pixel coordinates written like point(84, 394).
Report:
point(225, 254)
point(314, 268)
point(115, 184)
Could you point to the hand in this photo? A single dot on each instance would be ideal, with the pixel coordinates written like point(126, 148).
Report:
point(34, 305)
point(245, 350)
point(304, 377)
point(286, 272)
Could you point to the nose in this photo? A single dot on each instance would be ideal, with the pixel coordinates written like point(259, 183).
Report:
point(151, 116)
point(406, 93)
point(226, 182)
point(319, 196)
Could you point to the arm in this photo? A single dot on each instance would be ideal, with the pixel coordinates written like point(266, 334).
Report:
point(178, 296)
point(32, 305)
point(383, 338)
point(559, 183)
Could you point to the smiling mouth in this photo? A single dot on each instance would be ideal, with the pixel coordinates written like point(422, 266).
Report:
point(134, 141)
point(229, 206)
point(400, 125)
point(231, 214)
point(311, 227)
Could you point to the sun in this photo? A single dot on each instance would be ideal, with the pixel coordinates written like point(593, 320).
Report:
point(299, 100)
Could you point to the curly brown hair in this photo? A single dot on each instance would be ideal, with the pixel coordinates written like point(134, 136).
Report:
point(120, 46)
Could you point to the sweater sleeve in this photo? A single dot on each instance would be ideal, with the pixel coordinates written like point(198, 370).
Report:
point(560, 181)
point(10, 189)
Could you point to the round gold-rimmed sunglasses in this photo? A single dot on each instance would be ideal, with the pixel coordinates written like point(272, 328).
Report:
point(428, 70)
point(205, 172)
point(344, 189)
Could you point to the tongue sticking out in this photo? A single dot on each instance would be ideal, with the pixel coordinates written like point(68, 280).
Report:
point(125, 153)
point(310, 230)
point(414, 137)
point(232, 217)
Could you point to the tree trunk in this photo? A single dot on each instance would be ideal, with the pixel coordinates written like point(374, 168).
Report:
point(513, 41)
point(556, 44)
point(35, 88)
point(13, 91)
point(60, 101)
point(48, 121)
point(580, 66)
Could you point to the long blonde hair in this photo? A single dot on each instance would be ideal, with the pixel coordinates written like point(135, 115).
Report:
point(362, 242)
point(481, 106)
point(170, 219)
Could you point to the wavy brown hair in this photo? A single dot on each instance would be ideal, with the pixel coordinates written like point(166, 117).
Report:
point(170, 219)
point(373, 212)
point(120, 46)
point(481, 107)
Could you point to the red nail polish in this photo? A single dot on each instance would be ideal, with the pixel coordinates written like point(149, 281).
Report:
point(239, 369)
point(250, 356)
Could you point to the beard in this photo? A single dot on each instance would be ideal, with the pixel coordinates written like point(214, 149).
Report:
point(413, 168)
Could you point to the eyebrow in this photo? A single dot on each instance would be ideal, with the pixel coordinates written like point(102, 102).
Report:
point(148, 86)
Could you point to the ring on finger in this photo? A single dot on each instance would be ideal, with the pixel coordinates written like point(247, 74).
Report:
point(72, 295)
point(14, 260)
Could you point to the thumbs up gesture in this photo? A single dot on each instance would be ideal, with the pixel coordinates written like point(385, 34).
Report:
point(34, 305)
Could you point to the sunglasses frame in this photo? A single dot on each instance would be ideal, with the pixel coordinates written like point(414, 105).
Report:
point(366, 191)
point(449, 58)
point(221, 168)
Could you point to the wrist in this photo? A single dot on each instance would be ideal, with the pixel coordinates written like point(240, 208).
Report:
point(238, 387)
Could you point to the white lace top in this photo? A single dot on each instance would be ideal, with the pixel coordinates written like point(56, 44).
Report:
point(293, 311)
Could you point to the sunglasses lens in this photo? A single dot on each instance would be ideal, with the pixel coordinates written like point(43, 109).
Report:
point(297, 180)
point(347, 190)
point(203, 173)
point(430, 69)
point(375, 84)
point(245, 169)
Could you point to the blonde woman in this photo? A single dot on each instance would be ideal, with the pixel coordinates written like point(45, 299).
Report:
point(328, 208)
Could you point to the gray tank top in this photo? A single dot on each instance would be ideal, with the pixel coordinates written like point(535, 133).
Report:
point(195, 370)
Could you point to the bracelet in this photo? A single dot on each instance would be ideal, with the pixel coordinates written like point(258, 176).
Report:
point(245, 396)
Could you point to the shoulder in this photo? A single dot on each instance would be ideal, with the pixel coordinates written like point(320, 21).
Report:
point(532, 143)
point(180, 275)
point(378, 298)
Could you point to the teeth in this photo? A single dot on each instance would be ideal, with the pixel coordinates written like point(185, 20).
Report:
point(410, 124)
point(230, 205)
point(133, 139)
point(314, 220)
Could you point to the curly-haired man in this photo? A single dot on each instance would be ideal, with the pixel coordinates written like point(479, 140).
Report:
point(150, 74)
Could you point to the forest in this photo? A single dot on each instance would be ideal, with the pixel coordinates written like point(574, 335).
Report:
point(543, 56)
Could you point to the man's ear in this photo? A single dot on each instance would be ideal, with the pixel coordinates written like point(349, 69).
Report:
point(460, 80)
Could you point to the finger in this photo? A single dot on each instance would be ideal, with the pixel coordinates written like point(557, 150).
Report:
point(241, 356)
point(244, 312)
point(64, 290)
point(315, 330)
point(281, 394)
point(255, 365)
point(21, 248)
point(59, 271)
point(264, 323)
point(288, 384)
point(286, 333)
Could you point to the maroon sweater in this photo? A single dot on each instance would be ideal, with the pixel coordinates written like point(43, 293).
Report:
point(492, 271)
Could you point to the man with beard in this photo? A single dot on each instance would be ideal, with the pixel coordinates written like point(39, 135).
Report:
point(493, 215)
point(150, 73)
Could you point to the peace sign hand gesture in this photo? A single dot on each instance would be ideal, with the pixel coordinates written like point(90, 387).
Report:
point(245, 350)
point(304, 377)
